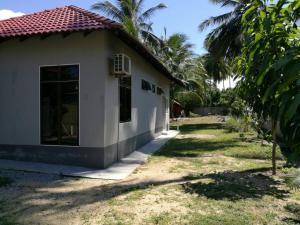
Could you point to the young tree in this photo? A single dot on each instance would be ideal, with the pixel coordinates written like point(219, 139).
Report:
point(271, 69)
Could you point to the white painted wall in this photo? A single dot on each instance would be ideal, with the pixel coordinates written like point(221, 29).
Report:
point(99, 92)
point(19, 85)
point(147, 107)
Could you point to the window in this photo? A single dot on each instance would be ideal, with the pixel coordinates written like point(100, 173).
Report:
point(159, 91)
point(60, 105)
point(153, 88)
point(125, 99)
point(146, 85)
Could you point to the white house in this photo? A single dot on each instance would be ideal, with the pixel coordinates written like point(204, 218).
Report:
point(76, 89)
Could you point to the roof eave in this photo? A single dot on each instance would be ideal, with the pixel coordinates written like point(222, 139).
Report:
point(145, 52)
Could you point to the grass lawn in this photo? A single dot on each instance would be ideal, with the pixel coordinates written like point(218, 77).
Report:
point(205, 176)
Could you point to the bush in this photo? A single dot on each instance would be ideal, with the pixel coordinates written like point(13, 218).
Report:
point(233, 125)
point(238, 125)
point(188, 100)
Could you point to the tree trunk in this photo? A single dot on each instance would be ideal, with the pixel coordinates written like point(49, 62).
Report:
point(223, 84)
point(274, 168)
point(171, 109)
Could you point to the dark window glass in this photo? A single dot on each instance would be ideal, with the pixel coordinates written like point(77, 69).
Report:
point(146, 85)
point(153, 88)
point(125, 99)
point(60, 105)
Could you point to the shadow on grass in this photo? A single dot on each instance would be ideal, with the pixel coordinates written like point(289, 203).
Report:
point(195, 147)
point(294, 209)
point(235, 186)
point(227, 185)
point(192, 127)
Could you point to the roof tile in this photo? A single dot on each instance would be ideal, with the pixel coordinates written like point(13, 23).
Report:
point(67, 19)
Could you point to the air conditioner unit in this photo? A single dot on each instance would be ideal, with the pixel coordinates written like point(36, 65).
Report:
point(121, 65)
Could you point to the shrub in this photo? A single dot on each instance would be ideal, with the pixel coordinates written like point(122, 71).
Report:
point(233, 125)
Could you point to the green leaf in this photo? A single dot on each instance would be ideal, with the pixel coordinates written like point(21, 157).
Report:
point(270, 91)
point(292, 109)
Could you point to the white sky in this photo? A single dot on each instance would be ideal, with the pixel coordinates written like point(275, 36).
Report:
point(6, 14)
point(227, 83)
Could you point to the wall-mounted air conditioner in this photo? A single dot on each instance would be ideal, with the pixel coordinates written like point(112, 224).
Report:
point(121, 65)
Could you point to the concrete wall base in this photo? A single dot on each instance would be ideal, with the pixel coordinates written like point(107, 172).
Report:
point(77, 156)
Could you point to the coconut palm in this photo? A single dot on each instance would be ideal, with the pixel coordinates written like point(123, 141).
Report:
point(176, 53)
point(130, 13)
point(225, 40)
point(217, 68)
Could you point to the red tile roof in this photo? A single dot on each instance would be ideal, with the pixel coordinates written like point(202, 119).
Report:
point(71, 19)
point(65, 19)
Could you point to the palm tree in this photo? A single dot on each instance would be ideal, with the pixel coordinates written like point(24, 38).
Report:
point(225, 40)
point(176, 53)
point(217, 68)
point(130, 13)
point(197, 79)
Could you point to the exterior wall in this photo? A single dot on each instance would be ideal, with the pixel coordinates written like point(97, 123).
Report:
point(99, 129)
point(148, 112)
point(20, 94)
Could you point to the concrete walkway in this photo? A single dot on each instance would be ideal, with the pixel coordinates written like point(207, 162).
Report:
point(117, 171)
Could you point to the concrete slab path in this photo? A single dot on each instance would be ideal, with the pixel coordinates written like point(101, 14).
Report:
point(117, 171)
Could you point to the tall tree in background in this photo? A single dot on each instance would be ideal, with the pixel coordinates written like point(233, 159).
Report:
point(132, 15)
point(177, 53)
point(225, 41)
point(217, 69)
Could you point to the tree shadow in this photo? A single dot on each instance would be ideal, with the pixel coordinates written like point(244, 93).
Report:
point(192, 127)
point(190, 147)
point(294, 209)
point(233, 186)
point(227, 185)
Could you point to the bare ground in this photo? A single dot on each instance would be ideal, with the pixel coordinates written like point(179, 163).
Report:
point(166, 190)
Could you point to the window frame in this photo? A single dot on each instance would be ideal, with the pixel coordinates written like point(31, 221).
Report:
point(40, 105)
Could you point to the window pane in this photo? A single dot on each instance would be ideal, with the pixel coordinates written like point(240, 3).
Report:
point(125, 99)
point(50, 73)
point(59, 105)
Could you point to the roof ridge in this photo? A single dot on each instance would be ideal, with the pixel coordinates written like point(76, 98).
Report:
point(94, 16)
point(34, 13)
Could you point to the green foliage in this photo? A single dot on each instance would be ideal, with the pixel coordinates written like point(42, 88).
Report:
point(130, 13)
point(237, 108)
point(233, 125)
point(225, 40)
point(189, 100)
point(270, 65)
point(216, 68)
point(238, 125)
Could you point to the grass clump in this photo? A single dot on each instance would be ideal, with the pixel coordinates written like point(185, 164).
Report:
point(253, 151)
point(161, 219)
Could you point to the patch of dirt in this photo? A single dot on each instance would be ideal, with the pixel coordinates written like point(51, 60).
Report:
point(196, 136)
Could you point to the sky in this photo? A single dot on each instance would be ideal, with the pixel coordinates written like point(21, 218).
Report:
point(183, 16)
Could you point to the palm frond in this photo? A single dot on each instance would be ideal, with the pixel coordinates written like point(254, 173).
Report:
point(150, 12)
point(215, 20)
point(130, 27)
point(232, 3)
point(109, 10)
point(223, 2)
